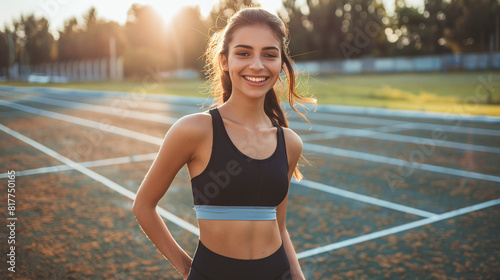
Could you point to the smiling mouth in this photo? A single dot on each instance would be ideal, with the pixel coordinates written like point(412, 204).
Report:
point(255, 79)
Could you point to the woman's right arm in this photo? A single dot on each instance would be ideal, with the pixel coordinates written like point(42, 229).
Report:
point(178, 148)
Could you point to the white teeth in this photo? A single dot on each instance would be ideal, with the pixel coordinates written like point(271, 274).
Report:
point(255, 79)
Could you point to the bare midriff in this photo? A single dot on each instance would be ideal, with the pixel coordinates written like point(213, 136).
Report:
point(246, 240)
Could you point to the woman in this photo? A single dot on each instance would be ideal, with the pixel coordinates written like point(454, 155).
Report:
point(240, 156)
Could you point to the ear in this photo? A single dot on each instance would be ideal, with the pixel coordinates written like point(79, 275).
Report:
point(223, 62)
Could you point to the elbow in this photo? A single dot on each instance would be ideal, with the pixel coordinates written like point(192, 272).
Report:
point(136, 207)
point(140, 207)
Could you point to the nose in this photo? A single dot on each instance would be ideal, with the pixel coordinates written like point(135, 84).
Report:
point(256, 64)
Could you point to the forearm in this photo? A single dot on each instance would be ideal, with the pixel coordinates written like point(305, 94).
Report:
point(156, 230)
point(292, 257)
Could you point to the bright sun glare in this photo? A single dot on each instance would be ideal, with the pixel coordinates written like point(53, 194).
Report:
point(168, 9)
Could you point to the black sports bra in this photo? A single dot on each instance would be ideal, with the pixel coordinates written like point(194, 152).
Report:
point(234, 186)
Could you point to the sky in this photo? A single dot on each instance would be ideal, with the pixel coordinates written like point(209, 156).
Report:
point(57, 11)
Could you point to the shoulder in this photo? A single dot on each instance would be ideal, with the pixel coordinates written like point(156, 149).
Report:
point(192, 126)
point(293, 142)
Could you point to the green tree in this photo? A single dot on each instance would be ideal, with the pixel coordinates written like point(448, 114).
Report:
point(70, 45)
point(90, 40)
point(98, 39)
point(145, 28)
point(301, 45)
point(435, 11)
point(32, 41)
point(323, 29)
point(146, 42)
point(414, 33)
point(4, 50)
point(362, 29)
point(38, 41)
point(470, 25)
point(225, 9)
point(187, 38)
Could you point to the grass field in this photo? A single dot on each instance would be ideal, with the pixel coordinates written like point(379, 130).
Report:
point(476, 93)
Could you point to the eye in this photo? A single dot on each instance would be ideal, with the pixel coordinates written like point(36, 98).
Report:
point(272, 55)
point(242, 54)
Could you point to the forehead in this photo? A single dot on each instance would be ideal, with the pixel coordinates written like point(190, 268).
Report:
point(256, 36)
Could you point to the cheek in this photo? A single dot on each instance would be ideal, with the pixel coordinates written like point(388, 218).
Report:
point(276, 68)
point(234, 65)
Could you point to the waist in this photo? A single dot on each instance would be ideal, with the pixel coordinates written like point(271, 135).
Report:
point(240, 239)
point(244, 213)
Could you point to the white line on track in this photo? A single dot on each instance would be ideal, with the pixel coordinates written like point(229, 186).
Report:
point(307, 146)
point(374, 111)
point(402, 139)
point(403, 125)
point(347, 119)
point(85, 122)
point(363, 198)
point(342, 109)
point(103, 109)
point(144, 116)
point(359, 239)
point(397, 162)
point(449, 128)
point(303, 183)
point(88, 164)
point(341, 131)
point(12, 114)
point(120, 104)
point(396, 229)
point(331, 131)
point(98, 177)
point(301, 255)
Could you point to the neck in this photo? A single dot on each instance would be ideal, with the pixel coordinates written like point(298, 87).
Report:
point(245, 110)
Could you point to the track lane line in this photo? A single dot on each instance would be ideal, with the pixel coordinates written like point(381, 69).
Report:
point(84, 122)
point(330, 132)
point(102, 109)
point(433, 219)
point(303, 183)
point(396, 229)
point(397, 162)
point(363, 198)
point(403, 125)
point(89, 164)
point(307, 146)
point(98, 177)
point(403, 139)
point(342, 109)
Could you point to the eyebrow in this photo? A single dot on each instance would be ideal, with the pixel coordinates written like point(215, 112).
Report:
point(251, 48)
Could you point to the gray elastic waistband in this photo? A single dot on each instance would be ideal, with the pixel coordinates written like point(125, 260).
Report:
point(248, 213)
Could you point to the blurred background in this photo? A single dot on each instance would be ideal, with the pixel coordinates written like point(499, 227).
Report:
point(77, 42)
point(390, 194)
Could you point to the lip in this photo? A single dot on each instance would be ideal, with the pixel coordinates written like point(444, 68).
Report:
point(255, 83)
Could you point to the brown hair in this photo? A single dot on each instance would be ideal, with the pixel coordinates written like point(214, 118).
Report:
point(220, 82)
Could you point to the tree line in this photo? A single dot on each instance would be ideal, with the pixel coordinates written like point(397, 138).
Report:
point(321, 29)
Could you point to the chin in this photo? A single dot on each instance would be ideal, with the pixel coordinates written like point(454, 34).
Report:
point(256, 94)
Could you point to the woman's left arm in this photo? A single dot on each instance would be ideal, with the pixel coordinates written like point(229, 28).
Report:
point(294, 149)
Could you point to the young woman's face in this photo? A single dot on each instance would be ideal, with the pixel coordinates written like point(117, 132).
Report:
point(254, 60)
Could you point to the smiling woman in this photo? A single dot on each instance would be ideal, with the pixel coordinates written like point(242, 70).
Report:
point(240, 155)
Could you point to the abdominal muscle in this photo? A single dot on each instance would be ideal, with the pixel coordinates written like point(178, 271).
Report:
point(246, 240)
